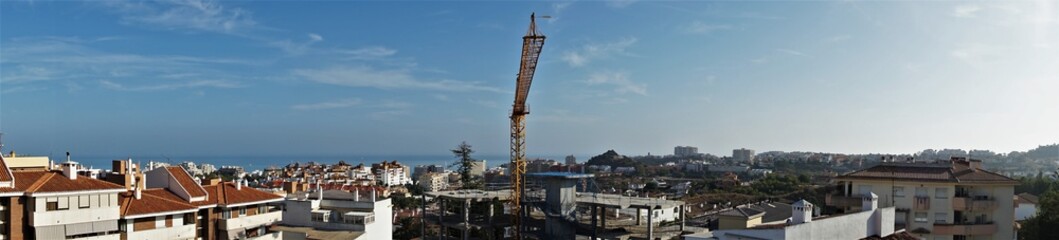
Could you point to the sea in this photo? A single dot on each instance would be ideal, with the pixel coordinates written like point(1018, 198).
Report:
point(251, 163)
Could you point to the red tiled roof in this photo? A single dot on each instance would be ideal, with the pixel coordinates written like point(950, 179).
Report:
point(185, 180)
point(152, 201)
point(5, 173)
point(952, 172)
point(54, 181)
point(226, 194)
point(895, 236)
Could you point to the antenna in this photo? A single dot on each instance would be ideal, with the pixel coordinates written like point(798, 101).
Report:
point(1, 140)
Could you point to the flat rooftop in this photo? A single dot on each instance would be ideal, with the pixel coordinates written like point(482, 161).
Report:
point(614, 200)
point(502, 195)
point(566, 175)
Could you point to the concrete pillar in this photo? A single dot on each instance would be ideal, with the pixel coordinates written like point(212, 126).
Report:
point(603, 217)
point(682, 220)
point(466, 218)
point(492, 208)
point(650, 224)
point(638, 217)
point(595, 227)
point(441, 218)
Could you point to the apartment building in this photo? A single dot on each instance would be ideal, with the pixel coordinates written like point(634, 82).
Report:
point(57, 205)
point(337, 214)
point(873, 222)
point(433, 182)
point(391, 173)
point(954, 199)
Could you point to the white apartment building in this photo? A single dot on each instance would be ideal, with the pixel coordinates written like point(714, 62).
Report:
point(685, 151)
point(433, 182)
point(391, 173)
point(871, 222)
point(954, 199)
point(743, 155)
point(339, 214)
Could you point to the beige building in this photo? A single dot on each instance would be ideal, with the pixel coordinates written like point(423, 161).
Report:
point(433, 182)
point(954, 199)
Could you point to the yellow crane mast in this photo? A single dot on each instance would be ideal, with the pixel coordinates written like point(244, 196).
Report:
point(531, 50)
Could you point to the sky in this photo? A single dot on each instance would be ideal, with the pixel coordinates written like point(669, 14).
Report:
point(197, 77)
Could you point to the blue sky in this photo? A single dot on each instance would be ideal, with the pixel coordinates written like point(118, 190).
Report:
point(192, 77)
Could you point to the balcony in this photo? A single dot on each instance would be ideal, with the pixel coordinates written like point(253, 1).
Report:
point(967, 229)
point(175, 232)
point(921, 203)
point(839, 201)
point(251, 221)
point(975, 204)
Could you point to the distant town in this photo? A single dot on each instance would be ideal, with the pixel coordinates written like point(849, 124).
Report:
point(694, 195)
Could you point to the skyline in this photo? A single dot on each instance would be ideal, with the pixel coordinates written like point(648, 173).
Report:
point(376, 78)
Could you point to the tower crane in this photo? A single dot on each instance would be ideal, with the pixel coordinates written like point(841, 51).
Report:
point(531, 50)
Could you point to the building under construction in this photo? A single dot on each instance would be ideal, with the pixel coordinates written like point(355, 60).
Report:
point(556, 210)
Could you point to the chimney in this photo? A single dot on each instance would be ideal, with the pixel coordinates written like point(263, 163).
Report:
point(319, 190)
point(801, 212)
point(869, 202)
point(356, 194)
point(238, 184)
point(69, 168)
point(140, 184)
point(372, 194)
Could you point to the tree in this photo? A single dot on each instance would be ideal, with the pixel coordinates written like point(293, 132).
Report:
point(1044, 224)
point(464, 164)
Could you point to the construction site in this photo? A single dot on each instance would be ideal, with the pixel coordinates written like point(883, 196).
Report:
point(557, 206)
point(545, 205)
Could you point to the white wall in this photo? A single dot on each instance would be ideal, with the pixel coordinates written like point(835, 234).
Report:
point(104, 207)
point(175, 232)
point(1025, 211)
point(382, 228)
point(848, 226)
point(660, 215)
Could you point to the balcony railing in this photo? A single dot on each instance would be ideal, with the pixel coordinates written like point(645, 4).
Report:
point(965, 229)
point(978, 203)
point(252, 221)
point(921, 203)
point(840, 201)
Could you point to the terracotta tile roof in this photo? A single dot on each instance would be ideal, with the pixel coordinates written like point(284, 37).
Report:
point(8, 190)
point(932, 172)
point(54, 181)
point(1026, 198)
point(5, 173)
point(226, 194)
point(185, 180)
point(895, 236)
point(152, 201)
point(169, 196)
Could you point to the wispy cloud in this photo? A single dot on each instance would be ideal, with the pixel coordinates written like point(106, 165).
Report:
point(619, 81)
point(43, 60)
point(791, 52)
point(170, 86)
point(367, 53)
point(966, 11)
point(366, 76)
point(593, 51)
point(619, 3)
point(341, 103)
point(196, 15)
point(837, 38)
point(563, 116)
point(699, 27)
point(297, 47)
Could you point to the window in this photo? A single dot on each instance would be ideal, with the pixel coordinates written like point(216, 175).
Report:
point(226, 214)
point(242, 211)
point(189, 218)
point(899, 191)
point(921, 217)
point(921, 192)
point(82, 201)
point(262, 209)
point(64, 203)
point(941, 193)
point(318, 217)
point(939, 217)
point(864, 189)
point(52, 206)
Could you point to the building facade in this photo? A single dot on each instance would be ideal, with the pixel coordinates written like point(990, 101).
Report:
point(743, 155)
point(685, 151)
point(954, 199)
